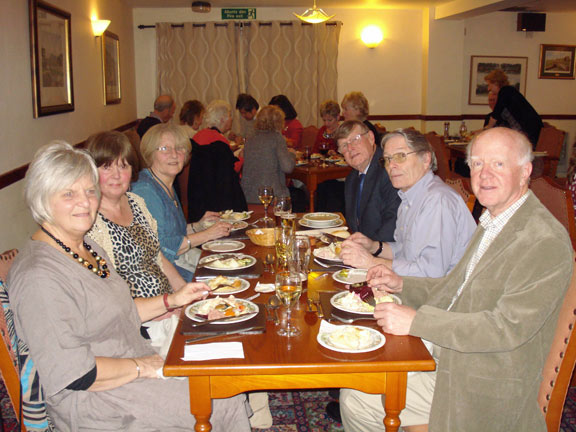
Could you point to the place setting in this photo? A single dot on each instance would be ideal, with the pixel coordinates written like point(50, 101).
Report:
point(233, 264)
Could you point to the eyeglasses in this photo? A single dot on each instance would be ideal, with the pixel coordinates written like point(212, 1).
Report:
point(396, 157)
point(477, 165)
point(167, 149)
point(352, 141)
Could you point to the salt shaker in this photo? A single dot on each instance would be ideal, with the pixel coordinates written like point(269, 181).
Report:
point(463, 129)
point(446, 130)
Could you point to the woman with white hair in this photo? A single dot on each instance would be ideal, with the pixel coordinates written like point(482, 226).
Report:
point(77, 316)
point(213, 180)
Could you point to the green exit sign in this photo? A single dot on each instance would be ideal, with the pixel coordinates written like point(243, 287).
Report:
point(238, 13)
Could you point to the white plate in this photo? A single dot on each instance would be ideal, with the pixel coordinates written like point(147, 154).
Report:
point(251, 309)
point(354, 276)
point(231, 217)
point(318, 254)
point(377, 340)
point(239, 225)
point(306, 223)
point(223, 246)
point(338, 296)
point(218, 291)
point(211, 258)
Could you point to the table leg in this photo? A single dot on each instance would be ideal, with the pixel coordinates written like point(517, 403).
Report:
point(312, 185)
point(200, 402)
point(394, 399)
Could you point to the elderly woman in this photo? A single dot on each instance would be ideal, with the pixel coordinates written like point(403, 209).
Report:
point(165, 149)
point(266, 157)
point(191, 116)
point(77, 316)
point(292, 127)
point(355, 107)
point(512, 110)
point(330, 113)
point(213, 180)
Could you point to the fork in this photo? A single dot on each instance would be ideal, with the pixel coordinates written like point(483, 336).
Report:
point(332, 265)
point(349, 320)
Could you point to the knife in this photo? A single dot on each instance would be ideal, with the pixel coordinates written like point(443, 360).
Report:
point(203, 323)
point(249, 330)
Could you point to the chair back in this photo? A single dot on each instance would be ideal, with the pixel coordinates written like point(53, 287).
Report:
point(134, 139)
point(442, 156)
point(559, 365)
point(309, 136)
point(551, 140)
point(458, 186)
point(558, 201)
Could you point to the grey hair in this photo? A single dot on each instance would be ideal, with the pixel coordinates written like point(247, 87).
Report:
point(217, 112)
point(415, 141)
point(55, 166)
point(163, 102)
point(525, 146)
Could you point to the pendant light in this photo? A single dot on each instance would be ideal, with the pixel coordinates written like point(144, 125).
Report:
point(314, 15)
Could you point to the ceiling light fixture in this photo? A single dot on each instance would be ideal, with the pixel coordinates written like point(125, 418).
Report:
point(314, 15)
point(201, 6)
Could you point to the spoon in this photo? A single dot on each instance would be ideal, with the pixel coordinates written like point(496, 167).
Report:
point(273, 305)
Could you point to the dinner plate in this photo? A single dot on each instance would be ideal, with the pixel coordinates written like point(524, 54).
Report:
point(301, 163)
point(306, 223)
point(251, 311)
point(223, 246)
point(236, 216)
point(319, 253)
point(209, 260)
point(350, 276)
point(374, 341)
point(220, 291)
point(341, 163)
point(336, 297)
point(239, 225)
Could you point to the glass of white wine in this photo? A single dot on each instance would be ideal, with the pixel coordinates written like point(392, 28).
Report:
point(288, 290)
point(266, 195)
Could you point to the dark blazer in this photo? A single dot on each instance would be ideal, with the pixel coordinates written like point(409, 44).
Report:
point(379, 205)
point(146, 124)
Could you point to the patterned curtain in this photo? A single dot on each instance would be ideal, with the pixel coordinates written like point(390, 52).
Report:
point(219, 60)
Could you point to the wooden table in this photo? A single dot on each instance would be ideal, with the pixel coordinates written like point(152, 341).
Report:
point(314, 173)
point(274, 362)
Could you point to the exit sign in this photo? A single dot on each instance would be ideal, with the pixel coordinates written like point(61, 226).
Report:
point(238, 13)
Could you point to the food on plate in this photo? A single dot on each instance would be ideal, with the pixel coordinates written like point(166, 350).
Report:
point(230, 263)
point(231, 215)
point(343, 234)
point(220, 307)
point(330, 252)
point(223, 284)
point(353, 302)
point(315, 156)
point(351, 338)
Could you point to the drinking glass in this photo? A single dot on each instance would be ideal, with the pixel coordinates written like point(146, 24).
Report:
point(324, 148)
point(299, 255)
point(288, 290)
point(265, 195)
point(282, 240)
point(282, 206)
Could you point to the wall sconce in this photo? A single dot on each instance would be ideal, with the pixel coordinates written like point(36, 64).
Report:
point(372, 36)
point(99, 26)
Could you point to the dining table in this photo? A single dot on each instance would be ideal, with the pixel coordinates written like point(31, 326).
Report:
point(315, 171)
point(274, 362)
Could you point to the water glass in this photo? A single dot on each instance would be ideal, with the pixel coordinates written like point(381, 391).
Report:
point(282, 239)
point(299, 256)
point(282, 206)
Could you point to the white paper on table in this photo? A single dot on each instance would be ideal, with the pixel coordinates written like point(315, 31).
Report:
point(213, 351)
point(264, 288)
point(318, 232)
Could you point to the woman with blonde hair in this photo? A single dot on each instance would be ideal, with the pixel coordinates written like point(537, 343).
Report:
point(267, 159)
point(355, 107)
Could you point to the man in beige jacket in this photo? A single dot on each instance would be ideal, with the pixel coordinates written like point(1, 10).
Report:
point(491, 319)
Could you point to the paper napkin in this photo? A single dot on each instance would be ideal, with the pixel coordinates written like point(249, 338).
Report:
point(213, 351)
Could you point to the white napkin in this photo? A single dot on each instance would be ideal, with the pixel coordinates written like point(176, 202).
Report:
point(213, 351)
point(264, 288)
point(326, 327)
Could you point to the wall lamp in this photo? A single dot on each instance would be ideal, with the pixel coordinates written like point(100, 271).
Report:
point(372, 36)
point(99, 26)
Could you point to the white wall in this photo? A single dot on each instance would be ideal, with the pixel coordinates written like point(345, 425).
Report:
point(20, 134)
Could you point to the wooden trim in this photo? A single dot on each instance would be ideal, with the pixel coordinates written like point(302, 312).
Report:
point(447, 117)
point(17, 174)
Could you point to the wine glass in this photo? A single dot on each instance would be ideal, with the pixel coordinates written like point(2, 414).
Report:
point(288, 290)
point(265, 195)
point(282, 205)
point(324, 147)
point(282, 241)
point(299, 254)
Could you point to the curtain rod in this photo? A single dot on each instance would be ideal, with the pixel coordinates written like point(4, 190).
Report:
point(237, 24)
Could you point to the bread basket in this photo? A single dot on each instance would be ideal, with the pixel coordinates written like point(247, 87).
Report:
point(261, 236)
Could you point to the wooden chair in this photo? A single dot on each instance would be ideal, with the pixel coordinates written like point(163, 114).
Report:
point(309, 136)
point(558, 201)
point(560, 362)
point(458, 186)
point(551, 140)
point(8, 365)
point(442, 156)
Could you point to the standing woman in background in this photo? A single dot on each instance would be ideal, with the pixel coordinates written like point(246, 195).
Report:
point(292, 127)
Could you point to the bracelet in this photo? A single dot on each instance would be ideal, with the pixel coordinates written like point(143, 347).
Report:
point(375, 254)
point(137, 367)
point(166, 304)
point(189, 242)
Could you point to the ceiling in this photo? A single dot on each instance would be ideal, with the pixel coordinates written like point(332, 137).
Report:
point(516, 5)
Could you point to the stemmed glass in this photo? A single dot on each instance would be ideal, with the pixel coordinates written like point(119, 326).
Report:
point(288, 290)
point(282, 206)
point(324, 148)
point(265, 195)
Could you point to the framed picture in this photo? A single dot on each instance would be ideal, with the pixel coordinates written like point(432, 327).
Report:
point(556, 61)
point(480, 66)
point(111, 68)
point(51, 59)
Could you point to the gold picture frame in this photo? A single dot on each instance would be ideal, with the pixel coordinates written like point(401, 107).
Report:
point(111, 68)
point(51, 59)
point(556, 61)
point(480, 66)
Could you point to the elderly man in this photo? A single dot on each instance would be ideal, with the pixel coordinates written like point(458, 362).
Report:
point(371, 201)
point(492, 318)
point(164, 108)
point(433, 225)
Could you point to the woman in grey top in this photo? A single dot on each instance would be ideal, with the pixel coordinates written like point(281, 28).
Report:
point(267, 159)
point(80, 322)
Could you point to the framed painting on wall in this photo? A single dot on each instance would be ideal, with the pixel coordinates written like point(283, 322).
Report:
point(51, 59)
point(480, 66)
point(111, 68)
point(556, 61)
